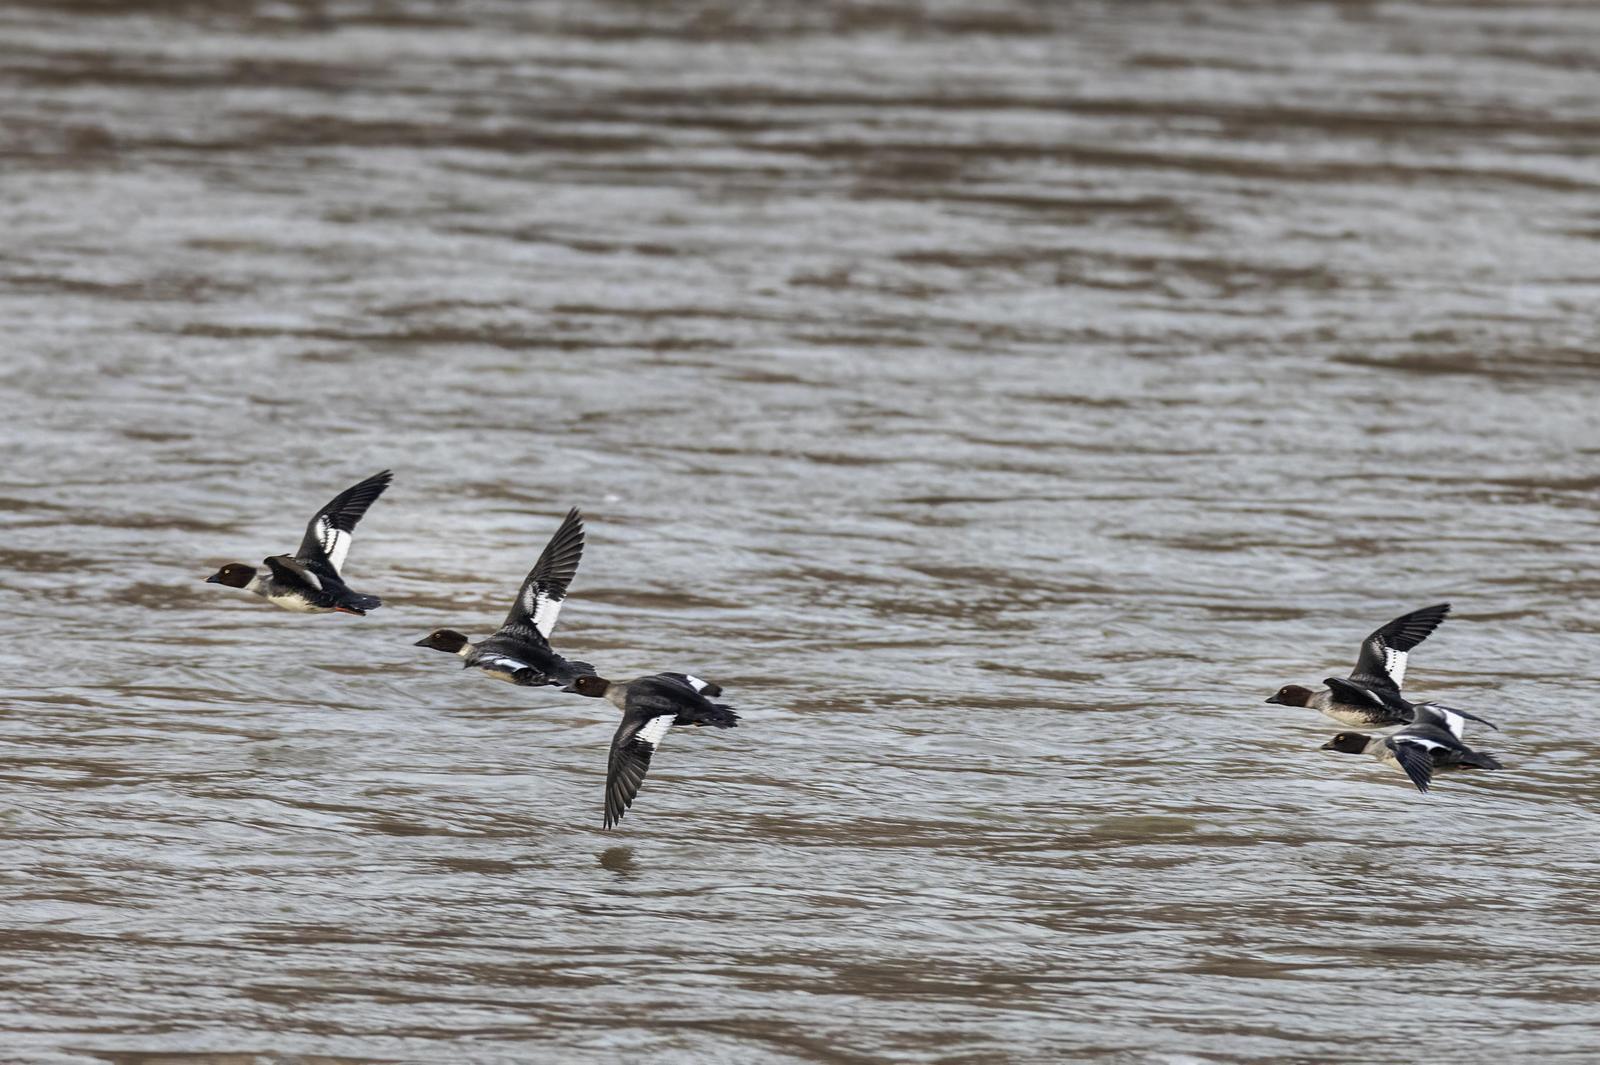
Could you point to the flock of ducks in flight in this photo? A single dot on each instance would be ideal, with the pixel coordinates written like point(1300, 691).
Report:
point(310, 581)
point(1432, 737)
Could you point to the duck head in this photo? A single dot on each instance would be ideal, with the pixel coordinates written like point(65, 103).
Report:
point(233, 575)
point(592, 686)
point(1292, 695)
point(447, 640)
point(1348, 743)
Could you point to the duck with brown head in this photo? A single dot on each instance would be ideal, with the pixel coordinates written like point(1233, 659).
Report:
point(310, 581)
point(1419, 750)
point(1371, 695)
point(650, 706)
point(520, 652)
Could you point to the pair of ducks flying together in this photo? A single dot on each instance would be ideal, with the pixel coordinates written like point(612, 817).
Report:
point(310, 581)
point(1432, 737)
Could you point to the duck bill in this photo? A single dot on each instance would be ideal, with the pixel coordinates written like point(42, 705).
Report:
point(1327, 746)
point(215, 578)
point(422, 643)
point(1274, 700)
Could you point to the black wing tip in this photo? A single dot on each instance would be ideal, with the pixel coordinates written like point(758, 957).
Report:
point(1410, 629)
point(1416, 763)
point(369, 488)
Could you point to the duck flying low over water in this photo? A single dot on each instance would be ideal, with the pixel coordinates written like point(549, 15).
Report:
point(309, 581)
point(650, 706)
point(1431, 744)
point(1371, 695)
point(520, 652)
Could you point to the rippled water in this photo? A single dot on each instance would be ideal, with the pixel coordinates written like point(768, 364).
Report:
point(1001, 400)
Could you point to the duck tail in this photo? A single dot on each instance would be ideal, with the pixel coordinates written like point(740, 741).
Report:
point(1479, 760)
point(358, 604)
point(717, 715)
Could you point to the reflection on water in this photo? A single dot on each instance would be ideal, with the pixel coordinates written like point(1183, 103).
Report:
point(619, 860)
point(999, 400)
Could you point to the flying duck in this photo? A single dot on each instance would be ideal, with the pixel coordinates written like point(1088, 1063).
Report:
point(1371, 696)
point(308, 581)
point(1432, 743)
point(520, 651)
point(650, 706)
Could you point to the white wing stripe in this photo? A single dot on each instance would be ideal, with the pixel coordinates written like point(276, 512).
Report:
point(335, 543)
point(695, 682)
point(1444, 715)
point(656, 728)
point(1394, 664)
point(543, 608)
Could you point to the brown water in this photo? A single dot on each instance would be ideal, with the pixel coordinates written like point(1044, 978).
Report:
point(999, 399)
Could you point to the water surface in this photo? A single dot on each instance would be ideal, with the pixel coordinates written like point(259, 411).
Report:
point(1000, 400)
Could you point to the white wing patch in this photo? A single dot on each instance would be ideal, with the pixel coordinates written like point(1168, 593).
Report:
point(1418, 741)
point(695, 682)
point(510, 665)
point(543, 608)
point(1444, 716)
point(1394, 664)
point(335, 543)
point(656, 728)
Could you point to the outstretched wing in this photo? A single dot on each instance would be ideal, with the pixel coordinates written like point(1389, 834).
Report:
point(636, 740)
point(1415, 755)
point(539, 601)
point(330, 531)
point(1383, 654)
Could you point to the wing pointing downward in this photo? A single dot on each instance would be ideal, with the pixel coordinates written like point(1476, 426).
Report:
point(631, 749)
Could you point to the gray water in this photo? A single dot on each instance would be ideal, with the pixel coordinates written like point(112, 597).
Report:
point(1000, 400)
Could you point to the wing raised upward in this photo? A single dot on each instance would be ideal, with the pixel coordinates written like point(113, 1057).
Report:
point(538, 603)
point(1383, 654)
point(328, 535)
